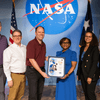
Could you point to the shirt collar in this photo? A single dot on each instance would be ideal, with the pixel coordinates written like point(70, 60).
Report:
point(38, 42)
point(66, 50)
point(18, 45)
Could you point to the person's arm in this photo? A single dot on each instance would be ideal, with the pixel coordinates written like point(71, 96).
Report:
point(31, 56)
point(36, 66)
point(94, 65)
point(71, 69)
point(95, 57)
point(73, 64)
point(46, 58)
point(6, 66)
point(78, 71)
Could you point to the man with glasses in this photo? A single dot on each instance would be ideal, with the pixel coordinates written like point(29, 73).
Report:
point(3, 46)
point(14, 60)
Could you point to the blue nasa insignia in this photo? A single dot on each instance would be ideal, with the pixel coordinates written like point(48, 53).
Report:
point(56, 16)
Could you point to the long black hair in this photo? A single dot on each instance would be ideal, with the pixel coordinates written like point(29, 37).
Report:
point(94, 41)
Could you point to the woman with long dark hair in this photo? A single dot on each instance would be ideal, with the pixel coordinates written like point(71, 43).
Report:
point(66, 87)
point(88, 71)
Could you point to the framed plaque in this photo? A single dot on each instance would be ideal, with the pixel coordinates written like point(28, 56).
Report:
point(56, 66)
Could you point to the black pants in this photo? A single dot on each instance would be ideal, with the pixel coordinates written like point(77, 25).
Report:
point(35, 83)
point(89, 89)
point(2, 84)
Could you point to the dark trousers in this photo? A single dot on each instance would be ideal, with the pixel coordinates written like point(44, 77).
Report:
point(2, 84)
point(89, 89)
point(35, 83)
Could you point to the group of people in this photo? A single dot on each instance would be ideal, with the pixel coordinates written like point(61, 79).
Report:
point(15, 58)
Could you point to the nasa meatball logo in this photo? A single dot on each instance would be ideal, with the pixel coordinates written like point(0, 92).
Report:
point(56, 16)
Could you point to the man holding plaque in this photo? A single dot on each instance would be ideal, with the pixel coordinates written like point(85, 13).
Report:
point(35, 61)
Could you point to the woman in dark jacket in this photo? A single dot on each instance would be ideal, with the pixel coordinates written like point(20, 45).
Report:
point(88, 72)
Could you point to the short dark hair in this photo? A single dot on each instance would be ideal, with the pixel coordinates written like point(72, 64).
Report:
point(63, 39)
point(17, 31)
point(94, 41)
point(38, 27)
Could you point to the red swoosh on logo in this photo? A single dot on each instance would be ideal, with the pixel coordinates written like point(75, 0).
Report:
point(62, 2)
point(52, 14)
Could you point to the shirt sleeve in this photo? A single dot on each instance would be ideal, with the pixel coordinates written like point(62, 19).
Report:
point(74, 56)
point(6, 63)
point(30, 51)
point(95, 59)
point(58, 53)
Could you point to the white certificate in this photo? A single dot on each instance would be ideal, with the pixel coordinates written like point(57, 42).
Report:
point(56, 66)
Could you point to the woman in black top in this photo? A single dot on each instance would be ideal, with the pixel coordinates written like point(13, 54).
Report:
point(88, 72)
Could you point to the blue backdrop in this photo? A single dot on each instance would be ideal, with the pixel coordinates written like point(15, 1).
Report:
point(66, 24)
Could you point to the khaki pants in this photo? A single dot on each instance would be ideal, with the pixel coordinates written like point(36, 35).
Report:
point(17, 90)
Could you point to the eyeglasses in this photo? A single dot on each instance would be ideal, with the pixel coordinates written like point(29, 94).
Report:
point(65, 42)
point(16, 35)
point(88, 36)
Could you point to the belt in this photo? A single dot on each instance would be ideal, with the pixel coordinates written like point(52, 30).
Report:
point(34, 68)
point(42, 67)
point(19, 73)
point(1, 66)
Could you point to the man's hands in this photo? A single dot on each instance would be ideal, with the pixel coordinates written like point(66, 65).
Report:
point(10, 83)
point(36, 66)
point(89, 80)
point(44, 75)
point(46, 58)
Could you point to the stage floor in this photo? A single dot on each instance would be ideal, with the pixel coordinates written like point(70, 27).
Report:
point(49, 93)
